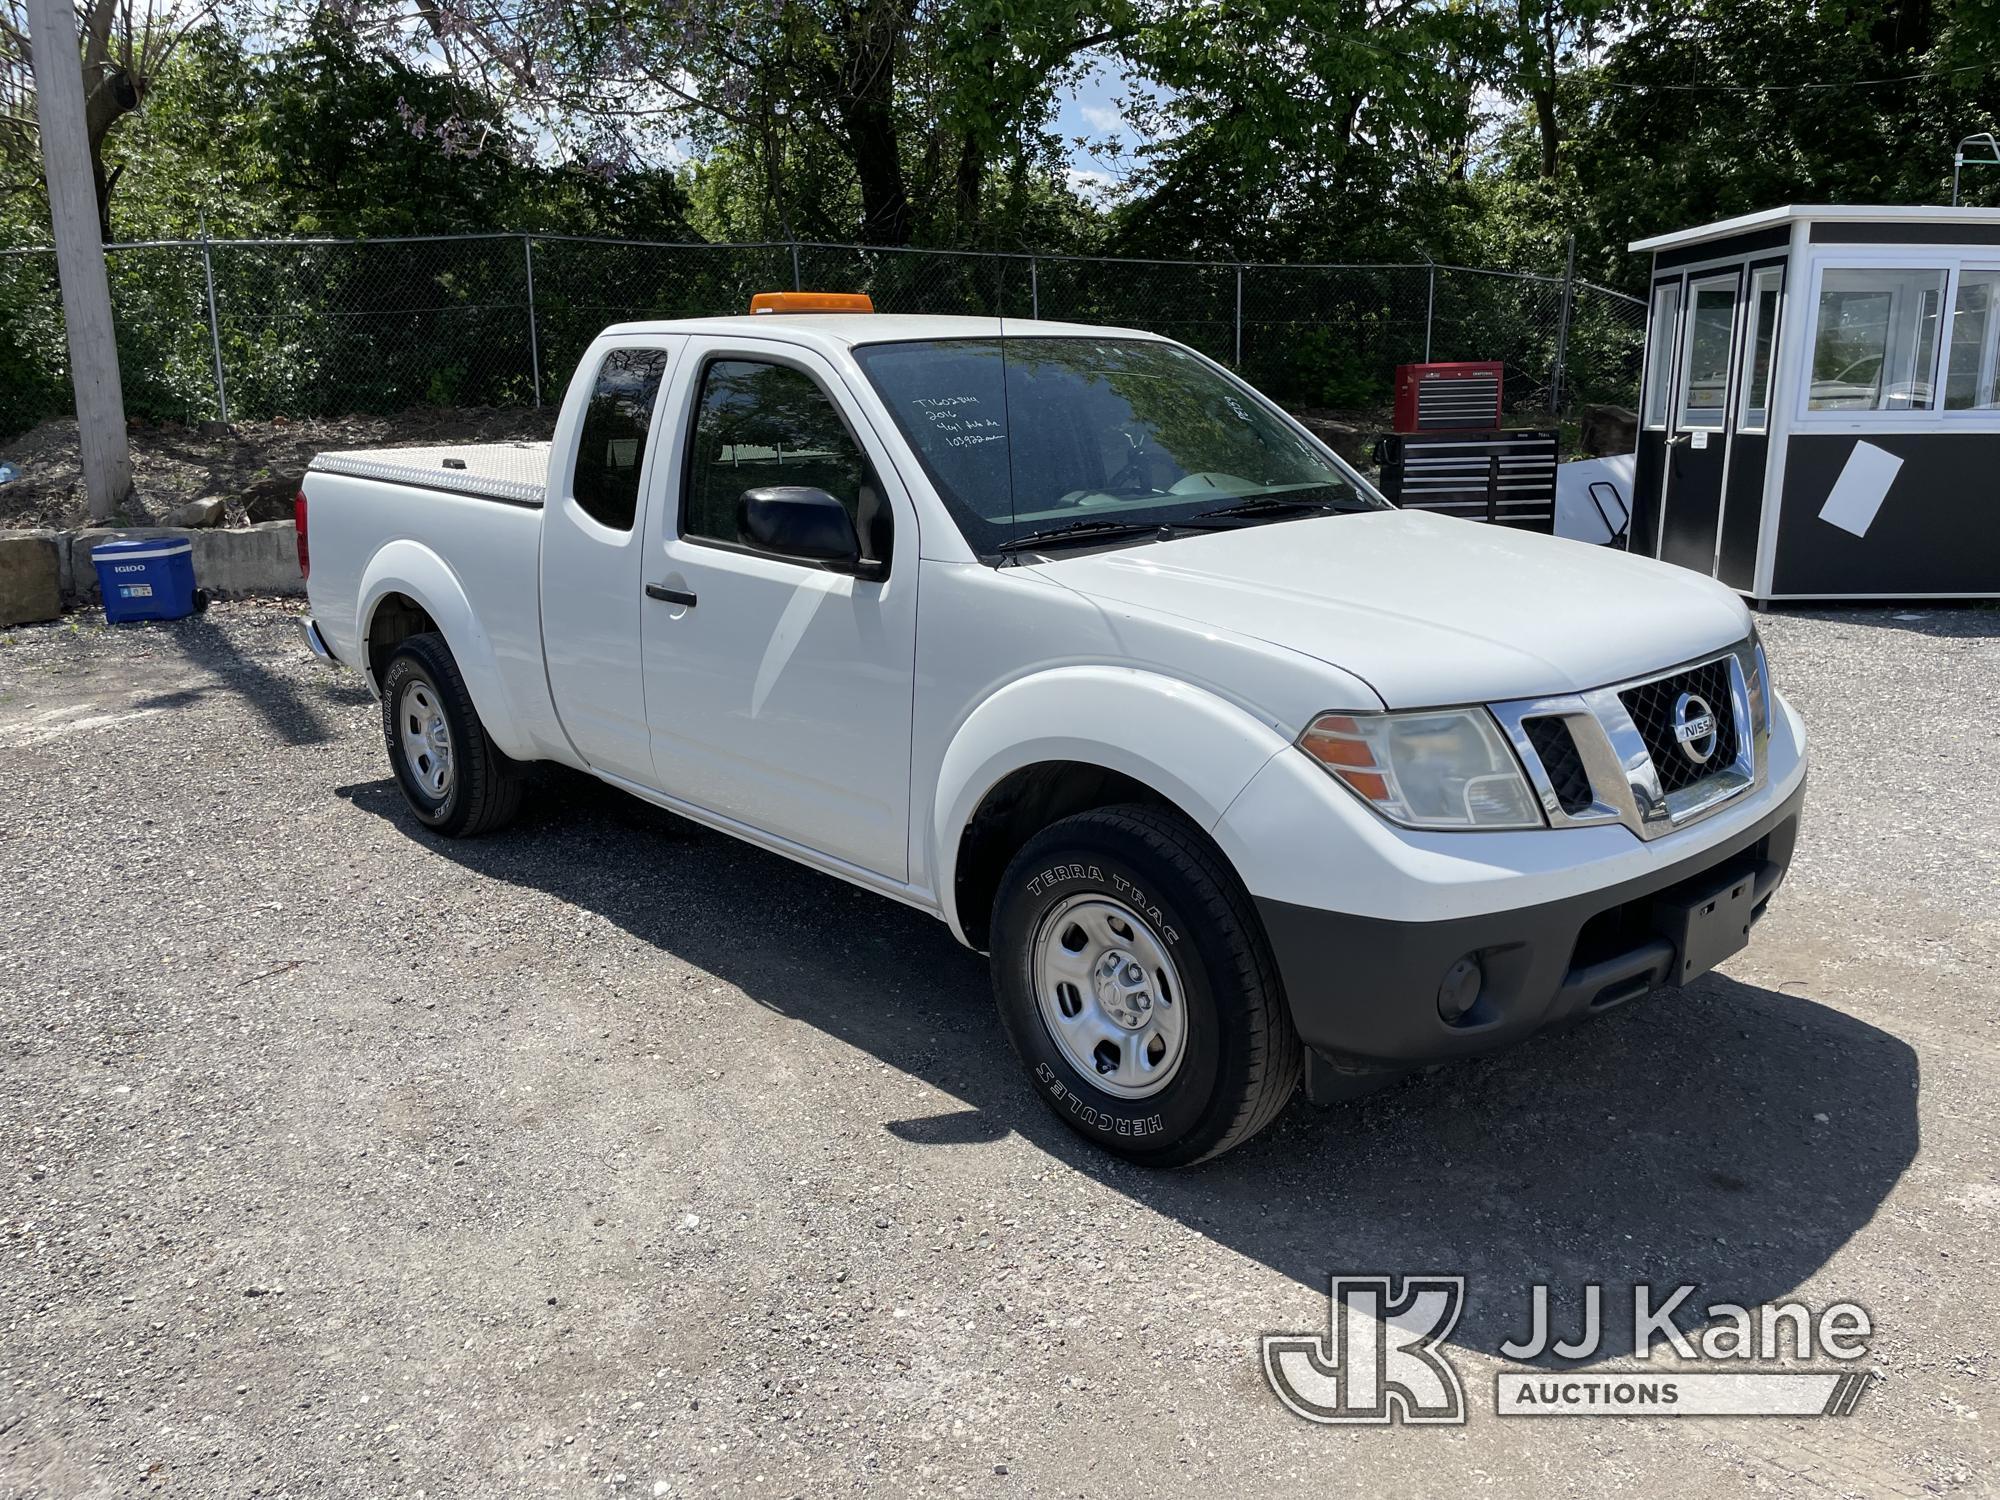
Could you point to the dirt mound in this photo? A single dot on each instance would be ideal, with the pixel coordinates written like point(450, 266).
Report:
point(254, 466)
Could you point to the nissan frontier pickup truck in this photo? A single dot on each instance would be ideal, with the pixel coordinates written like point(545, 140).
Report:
point(1065, 635)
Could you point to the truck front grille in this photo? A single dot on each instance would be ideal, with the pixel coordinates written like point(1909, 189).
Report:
point(1557, 748)
point(1654, 754)
point(1654, 707)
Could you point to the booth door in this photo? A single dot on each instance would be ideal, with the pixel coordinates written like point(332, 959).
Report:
point(1702, 420)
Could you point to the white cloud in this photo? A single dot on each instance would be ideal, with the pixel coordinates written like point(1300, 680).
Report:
point(1092, 183)
point(1102, 118)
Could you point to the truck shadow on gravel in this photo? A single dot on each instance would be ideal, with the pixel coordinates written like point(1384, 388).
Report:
point(1730, 1137)
point(285, 710)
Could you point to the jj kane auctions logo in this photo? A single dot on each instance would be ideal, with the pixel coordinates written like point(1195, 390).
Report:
point(1381, 1359)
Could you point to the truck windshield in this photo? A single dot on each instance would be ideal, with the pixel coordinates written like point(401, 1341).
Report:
point(1098, 440)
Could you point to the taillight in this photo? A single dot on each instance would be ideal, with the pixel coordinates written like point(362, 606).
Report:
point(299, 519)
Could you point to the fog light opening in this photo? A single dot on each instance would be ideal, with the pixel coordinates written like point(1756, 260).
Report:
point(1459, 992)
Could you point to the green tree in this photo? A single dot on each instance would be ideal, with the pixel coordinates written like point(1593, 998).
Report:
point(1703, 109)
point(124, 47)
point(327, 134)
point(1332, 127)
point(1541, 41)
point(875, 119)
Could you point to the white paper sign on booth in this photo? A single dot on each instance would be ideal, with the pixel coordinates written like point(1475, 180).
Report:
point(1859, 492)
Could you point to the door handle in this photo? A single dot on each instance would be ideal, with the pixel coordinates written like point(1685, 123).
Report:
point(1678, 440)
point(671, 596)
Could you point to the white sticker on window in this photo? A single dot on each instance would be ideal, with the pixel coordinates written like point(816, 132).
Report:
point(1863, 484)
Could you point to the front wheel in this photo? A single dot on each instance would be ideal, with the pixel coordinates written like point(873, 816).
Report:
point(456, 780)
point(1136, 985)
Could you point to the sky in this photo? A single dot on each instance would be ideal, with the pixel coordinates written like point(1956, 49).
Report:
point(1090, 108)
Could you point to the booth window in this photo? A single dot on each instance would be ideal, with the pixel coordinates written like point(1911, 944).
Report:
point(1972, 378)
point(1660, 353)
point(1765, 289)
point(1875, 341)
point(1705, 366)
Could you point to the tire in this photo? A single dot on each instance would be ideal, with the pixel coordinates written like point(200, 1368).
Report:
point(1188, 953)
point(455, 779)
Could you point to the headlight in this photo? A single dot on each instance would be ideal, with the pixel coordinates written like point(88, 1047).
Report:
point(1437, 768)
point(1759, 685)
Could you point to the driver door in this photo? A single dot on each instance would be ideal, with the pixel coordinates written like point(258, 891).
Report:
point(778, 691)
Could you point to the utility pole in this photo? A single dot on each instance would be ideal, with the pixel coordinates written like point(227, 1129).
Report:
point(86, 293)
point(1559, 376)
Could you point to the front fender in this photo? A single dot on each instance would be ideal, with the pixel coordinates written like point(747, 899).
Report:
point(410, 568)
point(1194, 748)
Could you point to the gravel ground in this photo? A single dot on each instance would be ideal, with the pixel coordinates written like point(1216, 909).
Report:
point(606, 1156)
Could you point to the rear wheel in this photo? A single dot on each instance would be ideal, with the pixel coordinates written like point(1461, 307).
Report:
point(454, 777)
point(1136, 984)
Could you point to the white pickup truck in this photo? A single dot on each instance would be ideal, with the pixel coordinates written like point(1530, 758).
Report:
point(1070, 638)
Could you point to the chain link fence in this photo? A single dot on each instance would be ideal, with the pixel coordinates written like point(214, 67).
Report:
point(251, 329)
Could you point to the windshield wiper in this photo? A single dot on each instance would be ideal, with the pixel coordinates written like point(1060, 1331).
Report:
point(1278, 505)
point(1085, 531)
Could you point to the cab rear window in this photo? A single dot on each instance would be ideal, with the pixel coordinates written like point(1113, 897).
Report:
point(611, 447)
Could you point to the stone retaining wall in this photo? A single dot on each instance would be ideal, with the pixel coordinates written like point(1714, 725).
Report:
point(41, 572)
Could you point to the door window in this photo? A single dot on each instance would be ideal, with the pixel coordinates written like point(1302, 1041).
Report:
point(1660, 353)
point(759, 424)
point(1705, 368)
point(1972, 378)
point(612, 444)
point(1765, 289)
point(1875, 339)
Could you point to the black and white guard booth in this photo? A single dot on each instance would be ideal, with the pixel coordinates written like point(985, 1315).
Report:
point(1820, 406)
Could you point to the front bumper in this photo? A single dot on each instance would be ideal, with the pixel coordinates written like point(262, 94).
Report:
point(1364, 990)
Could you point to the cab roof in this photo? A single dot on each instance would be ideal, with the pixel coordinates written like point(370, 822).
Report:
point(846, 330)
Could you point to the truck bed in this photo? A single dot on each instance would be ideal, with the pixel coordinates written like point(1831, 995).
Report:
point(515, 473)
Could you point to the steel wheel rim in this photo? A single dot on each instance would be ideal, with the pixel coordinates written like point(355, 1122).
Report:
point(1110, 995)
point(426, 737)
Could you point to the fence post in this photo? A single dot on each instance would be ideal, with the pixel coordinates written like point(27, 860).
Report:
point(797, 284)
point(1556, 379)
point(1430, 307)
point(1239, 317)
point(214, 327)
point(534, 334)
point(1034, 289)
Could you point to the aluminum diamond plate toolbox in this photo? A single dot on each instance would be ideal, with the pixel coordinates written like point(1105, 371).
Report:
point(514, 472)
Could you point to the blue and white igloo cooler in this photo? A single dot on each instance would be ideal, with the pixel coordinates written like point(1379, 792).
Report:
point(145, 578)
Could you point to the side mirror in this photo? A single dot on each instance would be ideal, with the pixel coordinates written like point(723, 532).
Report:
point(803, 522)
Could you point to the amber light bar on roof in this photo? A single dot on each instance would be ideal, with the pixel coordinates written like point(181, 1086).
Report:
point(812, 302)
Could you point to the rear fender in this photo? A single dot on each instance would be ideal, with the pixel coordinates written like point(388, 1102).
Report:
point(410, 568)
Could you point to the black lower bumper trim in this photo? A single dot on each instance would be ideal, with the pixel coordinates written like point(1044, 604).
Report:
point(1364, 991)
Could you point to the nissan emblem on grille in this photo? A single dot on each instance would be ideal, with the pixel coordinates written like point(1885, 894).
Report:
point(1694, 727)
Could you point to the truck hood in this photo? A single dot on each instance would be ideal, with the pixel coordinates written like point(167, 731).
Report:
point(1426, 609)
